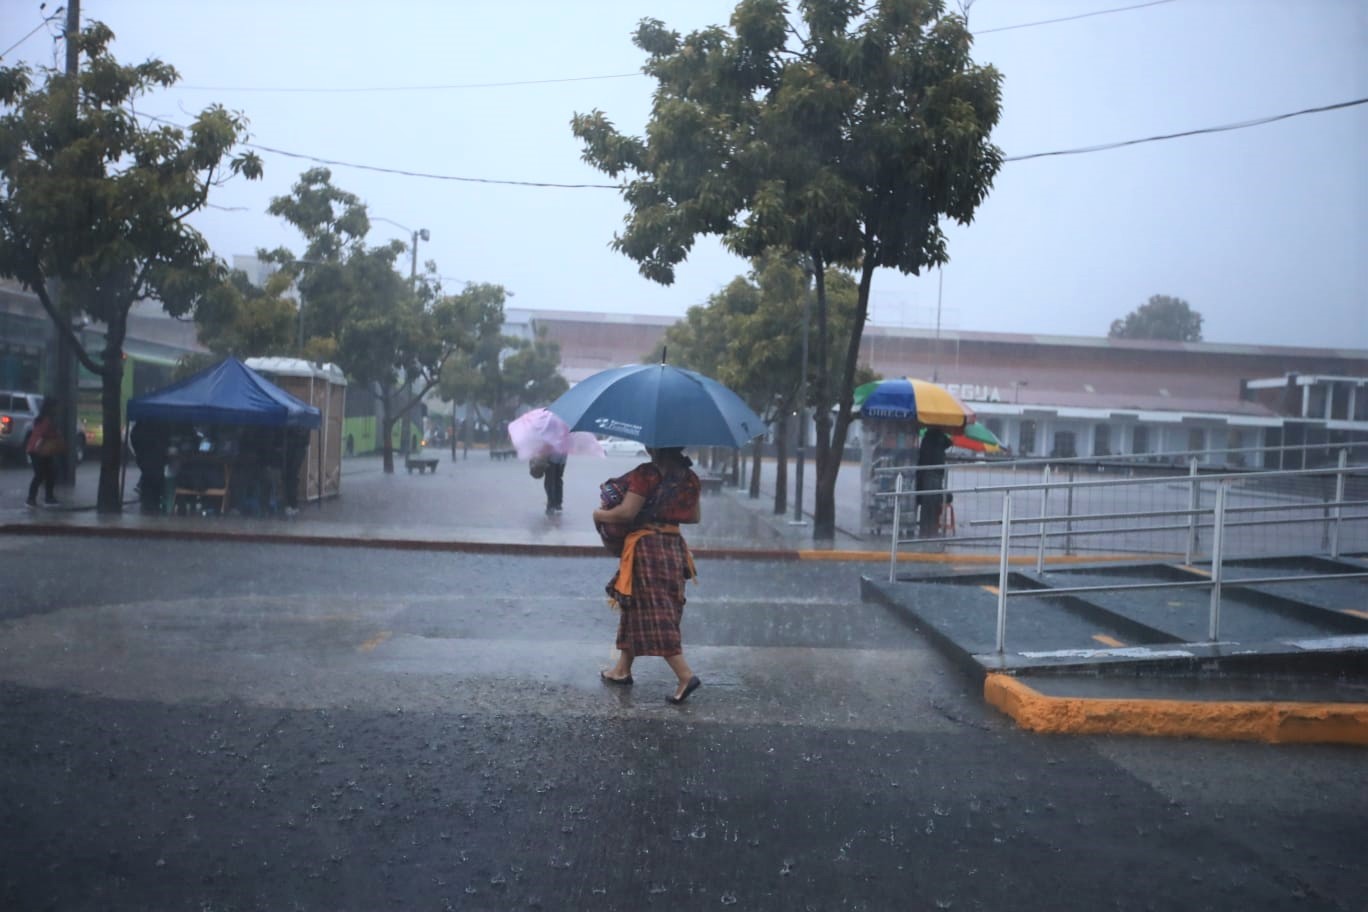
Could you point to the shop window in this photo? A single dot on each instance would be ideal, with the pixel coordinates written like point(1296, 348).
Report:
point(1235, 443)
point(1026, 441)
point(1064, 445)
point(1196, 440)
point(1140, 439)
point(1102, 440)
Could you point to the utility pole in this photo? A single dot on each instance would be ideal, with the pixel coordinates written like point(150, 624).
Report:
point(65, 382)
point(935, 350)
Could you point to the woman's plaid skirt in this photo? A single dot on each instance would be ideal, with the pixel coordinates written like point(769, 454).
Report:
point(649, 622)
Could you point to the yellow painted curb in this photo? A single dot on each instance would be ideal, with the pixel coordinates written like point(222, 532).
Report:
point(1275, 722)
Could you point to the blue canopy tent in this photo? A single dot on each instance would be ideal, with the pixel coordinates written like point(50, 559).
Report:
point(229, 393)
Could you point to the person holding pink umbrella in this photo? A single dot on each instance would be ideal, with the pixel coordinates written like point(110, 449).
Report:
point(544, 439)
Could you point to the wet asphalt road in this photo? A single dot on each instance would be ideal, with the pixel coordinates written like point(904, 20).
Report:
point(229, 727)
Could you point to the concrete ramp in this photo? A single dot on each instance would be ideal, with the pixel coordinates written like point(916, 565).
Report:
point(1290, 664)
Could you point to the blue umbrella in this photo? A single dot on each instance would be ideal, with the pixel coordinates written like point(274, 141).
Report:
point(660, 406)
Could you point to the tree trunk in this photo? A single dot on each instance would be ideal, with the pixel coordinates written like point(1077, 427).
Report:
point(757, 458)
point(781, 436)
point(831, 446)
point(387, 429)
point(111, 415)
point(824, 502)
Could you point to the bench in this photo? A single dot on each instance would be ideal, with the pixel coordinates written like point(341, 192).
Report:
point(420, 462)
point(502, 453)
point(709, 483)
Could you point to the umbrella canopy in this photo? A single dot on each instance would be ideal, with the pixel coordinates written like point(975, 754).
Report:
point(660, 406)
point(913, 400)
point(540, 432)
point(978, 438)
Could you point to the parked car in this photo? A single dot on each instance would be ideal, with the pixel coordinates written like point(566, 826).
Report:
point(18, 411)
point(617, 446)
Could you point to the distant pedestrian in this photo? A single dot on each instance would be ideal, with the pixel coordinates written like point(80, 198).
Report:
point(655, 564)
point(931, 477)
point(553, 481)
point(44, 445)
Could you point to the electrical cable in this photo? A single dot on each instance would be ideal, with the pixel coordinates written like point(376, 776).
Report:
point(1022, 25)
point(399, 171)
point(529, 82)
point(36, 28)
point(1223, 128)
point(412, 88)
point(1260, 121)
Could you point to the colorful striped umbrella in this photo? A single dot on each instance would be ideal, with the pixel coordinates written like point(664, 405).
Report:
point(913, 400)
point(978, 438)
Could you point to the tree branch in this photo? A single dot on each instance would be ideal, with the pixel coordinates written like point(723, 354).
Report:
point(64, 328)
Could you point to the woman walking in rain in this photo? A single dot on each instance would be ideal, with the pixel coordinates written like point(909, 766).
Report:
point(655, 564)
point(43, 446)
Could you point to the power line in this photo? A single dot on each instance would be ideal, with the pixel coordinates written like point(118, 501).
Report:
point(35, 31)
point(397, 171)
point(340, 90)
point(428, 175)
point(411, 88)
point(1119, 9)
point(1221, 129)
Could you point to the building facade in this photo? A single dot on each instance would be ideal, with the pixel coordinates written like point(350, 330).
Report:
point(1067, 396)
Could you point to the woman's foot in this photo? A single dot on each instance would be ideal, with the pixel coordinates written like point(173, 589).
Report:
point(624, 680)
point(683, 693)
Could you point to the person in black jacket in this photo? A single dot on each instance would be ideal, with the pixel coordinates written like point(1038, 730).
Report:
point(931, 477)
point(150, 440)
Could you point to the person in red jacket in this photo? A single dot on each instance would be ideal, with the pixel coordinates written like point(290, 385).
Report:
point(44, 444)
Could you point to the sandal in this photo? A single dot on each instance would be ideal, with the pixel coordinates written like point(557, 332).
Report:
point(623, 682)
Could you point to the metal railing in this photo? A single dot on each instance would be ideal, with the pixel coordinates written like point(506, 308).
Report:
point(1220, 518)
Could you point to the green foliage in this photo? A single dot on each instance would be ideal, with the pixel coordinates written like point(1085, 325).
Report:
point(1161, 317)
point(93, 196)
point(237, 318)
point(389, 334)
point(532, 372)
point(503, 373)
point(846, 136)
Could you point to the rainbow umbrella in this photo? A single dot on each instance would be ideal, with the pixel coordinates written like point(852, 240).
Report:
point(978, 438)
point(913, 400)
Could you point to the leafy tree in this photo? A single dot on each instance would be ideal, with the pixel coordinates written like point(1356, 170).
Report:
point(844, 136)
point(238, 318)
point(391, 336)
point(94, 197)
point(1161, 317)
point(503, 373)
point(749, 336)
point(533, 370)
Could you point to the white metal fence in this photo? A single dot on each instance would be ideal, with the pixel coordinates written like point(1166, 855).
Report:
point(1082, 506)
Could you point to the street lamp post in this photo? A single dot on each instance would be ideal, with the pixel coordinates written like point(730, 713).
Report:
point(415, 236)
point(300, 292)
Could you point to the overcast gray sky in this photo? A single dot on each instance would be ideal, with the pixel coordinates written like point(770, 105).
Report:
point(1264, 230)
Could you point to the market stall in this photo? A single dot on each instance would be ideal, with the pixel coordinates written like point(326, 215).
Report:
point(225, 438)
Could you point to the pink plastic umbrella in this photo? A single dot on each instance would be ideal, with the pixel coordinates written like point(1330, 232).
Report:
point(541, 433)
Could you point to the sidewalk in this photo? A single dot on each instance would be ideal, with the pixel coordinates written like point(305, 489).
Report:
point(475, 503)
